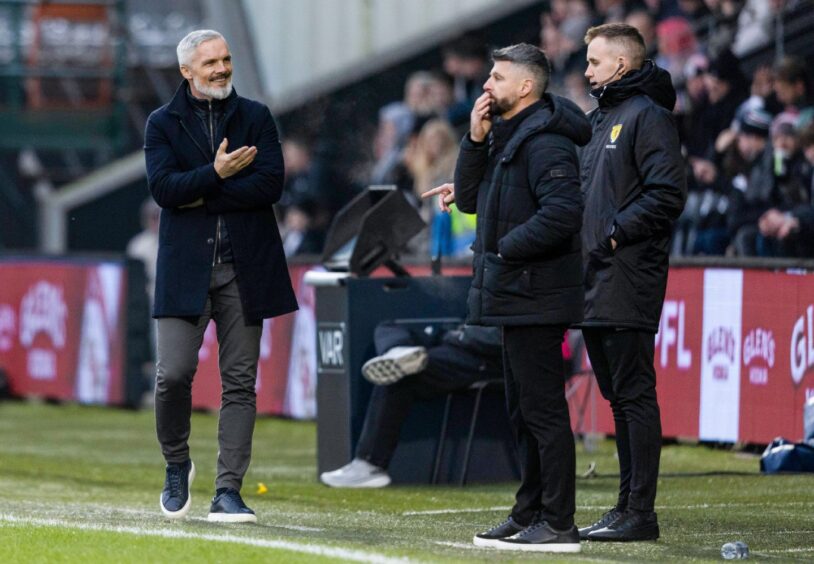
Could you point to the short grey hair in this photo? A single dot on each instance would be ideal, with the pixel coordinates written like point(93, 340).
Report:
point(186, 47)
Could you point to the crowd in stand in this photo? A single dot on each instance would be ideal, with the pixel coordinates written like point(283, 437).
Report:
point(748, 140)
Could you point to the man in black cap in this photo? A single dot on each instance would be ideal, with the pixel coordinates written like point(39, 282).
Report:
point(749, 166)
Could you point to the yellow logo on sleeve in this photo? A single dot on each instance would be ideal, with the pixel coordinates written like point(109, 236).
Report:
point(615, 131)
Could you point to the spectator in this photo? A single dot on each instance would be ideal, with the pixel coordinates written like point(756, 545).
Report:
point(466, 60)
point(755, 26)
point(412, 365)
point(298, 183)
point(723, 84)
point(562, 30)
point(433, 163)
point(748, 164)
point(610, 11)
point(676, 43)
point(694, 10)
point(574, 89)
point(707, 214)
point(144, 246)
point(304, 229)
point(643, 21)
point(793, 89)
point(306, 213)
point(399, 123)
point(720, 27)
point(787, 227)
point(692, 93)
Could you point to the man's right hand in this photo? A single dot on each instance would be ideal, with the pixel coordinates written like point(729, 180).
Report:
point(228, 164)
point(480, 120)
point(446, 193)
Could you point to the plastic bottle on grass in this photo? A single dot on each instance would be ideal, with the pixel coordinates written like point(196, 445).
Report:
point(735, 551)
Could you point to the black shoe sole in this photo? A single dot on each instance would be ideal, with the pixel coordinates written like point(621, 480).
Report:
point(635, 536)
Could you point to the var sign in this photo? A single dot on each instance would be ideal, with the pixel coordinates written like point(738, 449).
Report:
point(331, 346)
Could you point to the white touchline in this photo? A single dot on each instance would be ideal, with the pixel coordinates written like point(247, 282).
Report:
point(466, 546)
point(452, 511)
point(602, 507)
point(319, 550)
point(151, 514)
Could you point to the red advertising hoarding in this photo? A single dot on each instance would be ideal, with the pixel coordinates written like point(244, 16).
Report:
point(62, 329)
point(734, 354)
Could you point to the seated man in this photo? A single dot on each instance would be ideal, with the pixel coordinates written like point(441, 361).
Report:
point(412, 364)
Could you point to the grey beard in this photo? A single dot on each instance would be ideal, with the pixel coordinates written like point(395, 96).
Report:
point(213, 91)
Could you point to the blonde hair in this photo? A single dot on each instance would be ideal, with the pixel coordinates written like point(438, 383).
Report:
point(622, 35)
point(430, 170)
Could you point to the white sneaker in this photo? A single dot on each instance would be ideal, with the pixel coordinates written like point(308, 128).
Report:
point(357, 473)
point(395, 364)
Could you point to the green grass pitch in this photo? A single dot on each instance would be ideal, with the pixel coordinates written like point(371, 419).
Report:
point(80, 484)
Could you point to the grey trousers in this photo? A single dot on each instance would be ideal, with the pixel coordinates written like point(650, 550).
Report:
point(179, 340)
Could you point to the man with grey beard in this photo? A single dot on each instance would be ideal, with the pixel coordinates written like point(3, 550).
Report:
point(220, 258)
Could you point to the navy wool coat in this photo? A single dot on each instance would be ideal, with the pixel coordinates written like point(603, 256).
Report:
point(180, 172)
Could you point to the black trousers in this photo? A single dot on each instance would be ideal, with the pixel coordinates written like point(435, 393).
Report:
point(535, 397)
point(449, 368)
point(623, 363)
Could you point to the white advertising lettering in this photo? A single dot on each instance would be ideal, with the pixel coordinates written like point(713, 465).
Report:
point(42, 364)
point(759, 345)
point(8, 322)
point(671, 335)
point(331, 346)
point(721, 340)
point(802, 347)
point(43, 309)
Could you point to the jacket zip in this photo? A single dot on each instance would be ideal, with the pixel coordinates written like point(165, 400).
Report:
point(216, 258)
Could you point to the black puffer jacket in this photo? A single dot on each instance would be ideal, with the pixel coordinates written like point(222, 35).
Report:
point(635, 187)
point(524, 186)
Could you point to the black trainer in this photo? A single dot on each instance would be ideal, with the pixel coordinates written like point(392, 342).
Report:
point(505, 529)
point(609, 517)
point(176, 498)
point(542, 537)
point(630, 526)
point(228, 507)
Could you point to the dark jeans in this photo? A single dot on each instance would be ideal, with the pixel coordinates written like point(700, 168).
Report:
point(179, 340)
point(622, 361)
point(538, 410)
point(449, 368)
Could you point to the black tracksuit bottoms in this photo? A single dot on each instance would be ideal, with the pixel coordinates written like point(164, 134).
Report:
point(622, 360)
point(535, 398)
point(449, 368)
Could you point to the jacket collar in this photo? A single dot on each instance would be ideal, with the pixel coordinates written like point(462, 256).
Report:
point(650, 80)
point(552, 114)
point(182, 107)
point(504, 129)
